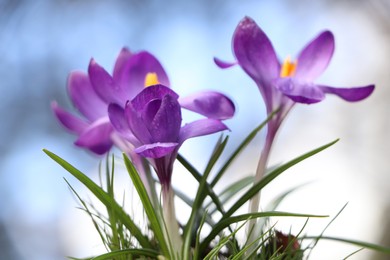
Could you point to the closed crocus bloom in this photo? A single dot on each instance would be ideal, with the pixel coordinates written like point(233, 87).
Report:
point(152, 122)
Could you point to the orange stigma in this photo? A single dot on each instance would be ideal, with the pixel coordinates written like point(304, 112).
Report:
point(288, 68)
point(151, 79)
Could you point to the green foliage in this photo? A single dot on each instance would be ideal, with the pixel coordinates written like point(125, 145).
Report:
point(211, 230)
point(106, 199)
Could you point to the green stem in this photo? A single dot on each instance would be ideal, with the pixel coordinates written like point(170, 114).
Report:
point(254, 203)
point(171, 223)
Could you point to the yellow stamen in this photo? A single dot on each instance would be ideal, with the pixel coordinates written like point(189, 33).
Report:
point(151, 79)
point(288, 68)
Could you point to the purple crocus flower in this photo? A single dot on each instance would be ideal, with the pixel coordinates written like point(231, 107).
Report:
point(92, 93)
point(283, 84)
point(152, 123)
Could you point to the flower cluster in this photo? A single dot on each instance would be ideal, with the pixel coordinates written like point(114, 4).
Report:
point(135, 110)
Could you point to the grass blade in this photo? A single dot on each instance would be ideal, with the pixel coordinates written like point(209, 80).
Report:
point(213, 253)
point(153, 215)
point(224, 223)
point(137, 253)
point(202, 192)
point(194, 172)
point(367, 245)
point(271, 176)
point(231, 190)
point(104, 198)
point(246, 141)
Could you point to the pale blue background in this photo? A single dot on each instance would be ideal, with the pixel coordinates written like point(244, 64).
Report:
point(42, 41)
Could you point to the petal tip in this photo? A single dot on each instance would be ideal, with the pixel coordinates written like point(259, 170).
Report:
point(223, 64)
point(125, 50)
point(247, 20)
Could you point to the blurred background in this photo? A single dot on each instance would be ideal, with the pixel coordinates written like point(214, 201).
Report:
point(42, 41)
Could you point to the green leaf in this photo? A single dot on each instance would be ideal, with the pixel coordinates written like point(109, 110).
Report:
point(153, 215)
point(271, 176)
point(220, 146)
point(232, 190)
point(196, 249)
point(367, 245)
point(104, 198)
point(111, 213)
point(353, 253)
point(187, 200)
point(225, 222)
point(213, 253)
point(246, 141)
point(248, 247)
point(216, 154)
point(137, 253)
point(202, 192)
point(198, 177)
point(90, 214)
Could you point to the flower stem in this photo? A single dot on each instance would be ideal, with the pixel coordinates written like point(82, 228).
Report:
point(254, 203)
point(139, 164)
point(171, 223)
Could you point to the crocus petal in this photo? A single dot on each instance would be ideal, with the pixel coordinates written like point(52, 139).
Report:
point(165, 125)
point(210, 104)
point(350, 94)
point(224, 64)
point(118, 120)
point(84, 96)
point(97, 137)
point(69, 121)
point(301, 92)
point(254, 52)
point(150, 93)
point(156, 150)
point(120, 64)
point(315, 57)
point(132, 76)
point(104, 85)
point(201, 127)
point(137, 125)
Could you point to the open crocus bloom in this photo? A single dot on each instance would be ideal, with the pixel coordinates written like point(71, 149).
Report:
point(152, 122)
point(92, 93)
point(284, 84)
point(276, 81)
point(94, 130)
